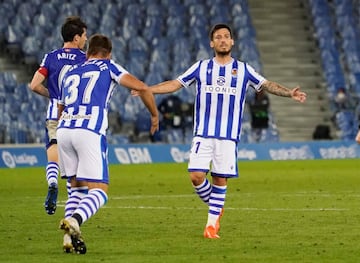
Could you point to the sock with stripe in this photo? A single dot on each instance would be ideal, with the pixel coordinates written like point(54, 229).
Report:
point(77, 194)
point(216, 203)
point(52, 172)
point(203, 190)
point(90, 204)
point(68, 187)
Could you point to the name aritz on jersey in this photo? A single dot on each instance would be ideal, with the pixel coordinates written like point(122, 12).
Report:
point(218, 89)
point(65, 55)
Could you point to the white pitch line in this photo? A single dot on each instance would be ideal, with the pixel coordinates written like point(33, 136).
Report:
point(231, 208)
point(227, 208)
point(151, 196)
point(61, 203)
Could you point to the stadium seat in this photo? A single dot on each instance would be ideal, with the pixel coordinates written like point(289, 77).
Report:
point(174, 135)
point(153, 28)
point(119, 50)
point(154, 77)
point(138, 43)
point(118, 139)
point(149, 38)
point(136, 65)
point(154, 9)
point(9, 82)
point(31, 46)
point(345, 122)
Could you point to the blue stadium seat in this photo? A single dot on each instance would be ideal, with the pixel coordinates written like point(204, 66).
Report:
point(14, 33)
point(187, 95)
point(175, 27)
point(345, 122)
point(154, 9)
point(118, 139)
point(174, 136)
point(49, 9)
point(143, 122)
point(119, 50)
point(31, 46)
point(319, 8)
point(2, 99)
point(132, 107)
point(162, 44)
point(219, 13)
point(136, 65)
point(159, 63)
point(9, 81)
point(67, 9)
point(111, 11)
point(149, 38)
point(108, 26)
point(138, 43)
point(133, 21)
point(269, 135)
point(153, 78)
point(153, 28)
point(7, 12)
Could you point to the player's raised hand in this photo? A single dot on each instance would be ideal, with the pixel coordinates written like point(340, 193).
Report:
point(298, 95)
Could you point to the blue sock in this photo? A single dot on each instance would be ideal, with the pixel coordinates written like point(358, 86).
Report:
point(91, 203)
point(204, 190)
point(216, 203)
point(77, 194)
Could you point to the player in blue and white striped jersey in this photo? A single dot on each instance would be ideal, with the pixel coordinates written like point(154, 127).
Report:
point(52, 68)
point(85, 94)
point(221, 83)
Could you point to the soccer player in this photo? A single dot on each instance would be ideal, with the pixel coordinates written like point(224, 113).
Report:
point(221, 83)
point(85, 94)
point(52, 69)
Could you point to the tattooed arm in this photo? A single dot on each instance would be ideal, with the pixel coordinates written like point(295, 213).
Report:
point(279, 90)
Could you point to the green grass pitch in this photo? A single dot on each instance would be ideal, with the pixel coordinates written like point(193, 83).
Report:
point(276, 211)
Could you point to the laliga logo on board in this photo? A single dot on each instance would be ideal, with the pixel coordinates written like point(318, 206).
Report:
point(8, 159)
point(11, 160)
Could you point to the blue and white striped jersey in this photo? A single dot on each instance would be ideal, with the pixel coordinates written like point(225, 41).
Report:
point(86, 91)
point(53, 66)
point(220, 96)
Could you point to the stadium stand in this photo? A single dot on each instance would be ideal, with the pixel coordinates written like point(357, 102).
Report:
point(149, 38)
point(337, 31)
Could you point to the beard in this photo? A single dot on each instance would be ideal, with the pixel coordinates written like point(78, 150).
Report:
point(223, 53)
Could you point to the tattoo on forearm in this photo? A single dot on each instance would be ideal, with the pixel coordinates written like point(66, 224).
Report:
point(276, 89)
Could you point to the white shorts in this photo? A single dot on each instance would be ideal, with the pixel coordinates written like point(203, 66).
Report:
point(83, 154)
point(220, 155)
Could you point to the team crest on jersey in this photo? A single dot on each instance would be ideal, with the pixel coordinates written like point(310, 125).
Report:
point(220, 81)
point(234, 72)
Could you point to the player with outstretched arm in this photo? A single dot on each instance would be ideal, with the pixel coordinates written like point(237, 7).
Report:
point(221, 83)
point(85, 94)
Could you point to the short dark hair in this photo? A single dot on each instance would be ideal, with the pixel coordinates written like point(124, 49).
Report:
point(72, 26)
point(217, 27)
point(99, 44)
